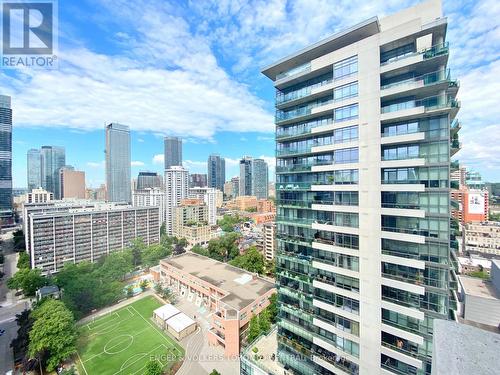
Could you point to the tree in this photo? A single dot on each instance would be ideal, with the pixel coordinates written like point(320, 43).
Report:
point(215, 372)
point(273, 307)
point(28, 280)
point(252, 261)
point(265, 321)
point(199, 250)
point(53, 336)
point(144, 284)
point(21, 342)
point(130, 291)
point(154, 253)
point(23, 261)
point(253, 329)
point(19, 243)
point(153, 368)
point(137, 248)
point(224, 248)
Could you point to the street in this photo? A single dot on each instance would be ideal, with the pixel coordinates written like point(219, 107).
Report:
point(9, 305)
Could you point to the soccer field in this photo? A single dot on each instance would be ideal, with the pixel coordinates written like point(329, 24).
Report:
point(124, 341)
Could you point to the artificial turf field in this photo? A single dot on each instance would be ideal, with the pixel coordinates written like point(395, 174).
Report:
point(124, 341)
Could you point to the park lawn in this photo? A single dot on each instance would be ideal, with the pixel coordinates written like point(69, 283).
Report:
point(124, 341)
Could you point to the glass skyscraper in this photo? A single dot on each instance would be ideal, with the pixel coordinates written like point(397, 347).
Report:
point(52, 159)
point(245, 186)
point(173, 152)
point(260, 178)
point(34, 172)
point(118, 184)
point(5, 158)
point(365, 128)
point(216, 168)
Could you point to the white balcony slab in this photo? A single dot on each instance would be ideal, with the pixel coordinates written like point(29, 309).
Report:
point(401, 88)
point(403, 187)
point(401, 63)
point(414, 313)
point(328, 267)
point(335, 208)
point(334, 167)
point(335, 249)
point(332, 187)
point(417, 339)
point(401, 285)
point(414, 238)
point(335, 125)
point(409, 112)
point(335, 310)
point(404, 138)
point(403, 212)
point(335, 228)
point(335, 146)
point(417, 162)
point(401, 357)
point(328, 366)
point(334, 289)
point(414, 263)
point(325, 344)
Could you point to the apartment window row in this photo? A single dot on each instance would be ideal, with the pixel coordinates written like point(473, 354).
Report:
point(303, 89)
point(434, 177)
point(343, 344)
point(397, 53)
point(343, 219)
point(303, 109)
point(341, 198)
point(350, 241)
point(431, 276)
point(345, 113)
point(345, 92)
point(432, 202)
point(435, 302)
point(345, 67)
point(436, 152)
point(341, 302)
point(348, 262)
point(343, 135)
point(303, 127)
point(340, 281)
point(343, 176)
point(428, 226)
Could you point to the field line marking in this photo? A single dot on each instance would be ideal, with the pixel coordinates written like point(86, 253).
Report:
point(83, 366)
point(144, 354)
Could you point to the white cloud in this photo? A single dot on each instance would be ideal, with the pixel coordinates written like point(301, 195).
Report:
point(195, 166)
point(137, 164)
point(159, 159)
point(231, 162)
point(140, 140)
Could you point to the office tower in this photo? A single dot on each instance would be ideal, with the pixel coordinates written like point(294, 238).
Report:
point(72, 183)
point(78, 232)
point(52, 159)
point(173, 152)
point(260, 179)
point(245, 182)
point(5, 159)
point(210, 197)
point(148, 180)
point(150, 197)
point(34, 174)
point(197, 180)
point(363, 156)
point(216, 167)
point(118, 183)
point(235, 181)
point(176, 189)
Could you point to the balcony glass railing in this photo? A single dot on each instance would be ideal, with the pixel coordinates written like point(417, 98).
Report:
point(301, 111)
point(293, 186)
point(428, 53)
point(423, 80)
point(430, 103)
point(292, 151)
point(302, 92)
point(297, 70)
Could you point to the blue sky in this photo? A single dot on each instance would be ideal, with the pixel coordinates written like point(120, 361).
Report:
point(191, 68)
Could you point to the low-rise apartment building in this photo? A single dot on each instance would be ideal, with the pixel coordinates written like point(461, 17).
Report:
point(482, 238)
point(59, 234)
point(191, 221)
point(269, 237)
point(230, 293)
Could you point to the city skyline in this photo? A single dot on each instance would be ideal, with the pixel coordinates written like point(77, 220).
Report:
point(215, 123)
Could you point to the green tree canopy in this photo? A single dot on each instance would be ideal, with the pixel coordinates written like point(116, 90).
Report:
point(28, 280)
point(253, 329)
point(252, 260)
point(53, 336)
point(23, 261)
point(153, 368)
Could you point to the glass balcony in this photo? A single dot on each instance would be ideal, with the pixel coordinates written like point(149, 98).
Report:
point(428, 53)
point(293, 151)
point(291, 186)
point(454, 165)
point(337, 361)
point(429, 103)
point(294, 220)
point(454, 185)
point(401, 345)
point(425, 80)
point(455, 126)
point(295, 71)
point(455, 146)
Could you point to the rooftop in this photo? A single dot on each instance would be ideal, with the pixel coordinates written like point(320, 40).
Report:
point(267, 346)
point(243, 288)
point(166, 311)
point(460, 349)
point(180, 322)
point(478, 287)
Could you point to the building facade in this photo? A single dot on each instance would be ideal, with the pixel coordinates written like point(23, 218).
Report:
point(269, 240)
point(52, 159)
point(235, 181)
point(34, 172)
point(150, 197)
point(216, 167)
point(176, 189)
point(39, 196)
point(190, 221)
point(172, 152)
point(470, 205)
point(197, 180)
point(72, 183)
point(5, 159)
point(364, 138)
point(209, 196)
point(147, 180)
point(482, 238)
point(232, 294)
point(245, 180)
point(260, 179)
point(118, 183)
point(74, 235)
